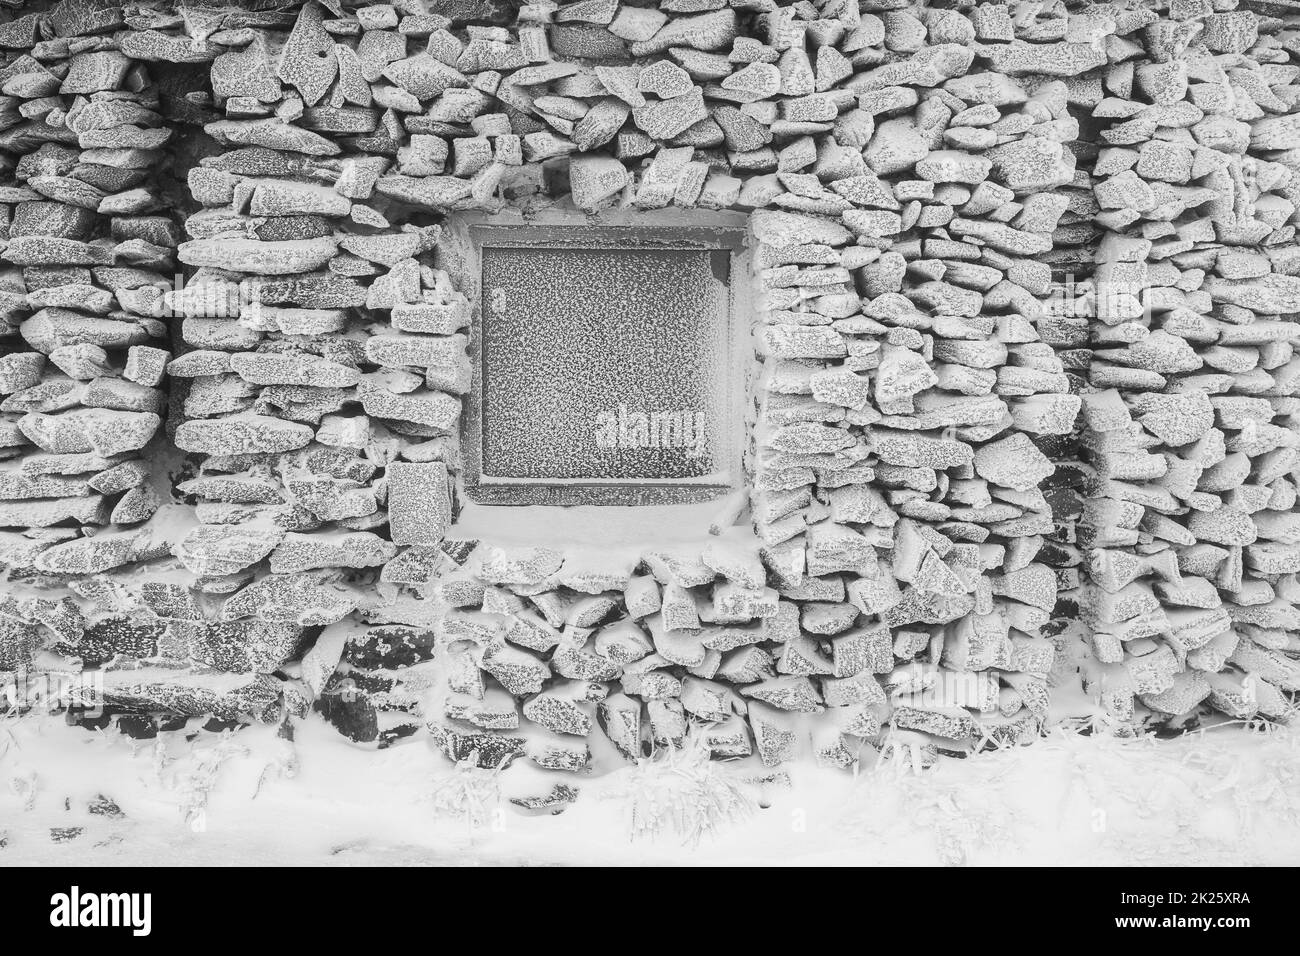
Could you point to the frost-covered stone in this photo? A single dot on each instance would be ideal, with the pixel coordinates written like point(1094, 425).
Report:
point(419, 506)
point(256, 257)
point(221, 550)
point(241, 434)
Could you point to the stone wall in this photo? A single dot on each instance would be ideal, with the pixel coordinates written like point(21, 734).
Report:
point(968, 223)
point(1189, 418)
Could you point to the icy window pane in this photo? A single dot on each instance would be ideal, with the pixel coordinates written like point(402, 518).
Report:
point(602, 363)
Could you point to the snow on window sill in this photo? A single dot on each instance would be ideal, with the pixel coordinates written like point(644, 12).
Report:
point(639, 527)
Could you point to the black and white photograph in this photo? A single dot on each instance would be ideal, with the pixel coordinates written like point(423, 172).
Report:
point(651, 433)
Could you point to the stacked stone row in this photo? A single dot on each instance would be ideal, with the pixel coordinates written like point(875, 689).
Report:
point(931, 523)
point(1192, 537)
point(142, 638)
point(86, 253)
point(324, 356)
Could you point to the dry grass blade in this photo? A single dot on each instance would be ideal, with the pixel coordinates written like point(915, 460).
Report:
point(468, 792)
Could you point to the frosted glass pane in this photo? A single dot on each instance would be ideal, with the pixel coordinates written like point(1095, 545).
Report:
point(602, 363)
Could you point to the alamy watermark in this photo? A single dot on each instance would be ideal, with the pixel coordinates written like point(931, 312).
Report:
point(75, 909)
point(23, 691)
point(1086, 297)
point(625, 427)
point(945, 688)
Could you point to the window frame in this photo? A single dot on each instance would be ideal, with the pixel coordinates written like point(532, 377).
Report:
point(460, 253)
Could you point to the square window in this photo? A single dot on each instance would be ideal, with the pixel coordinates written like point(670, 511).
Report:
point(605, 363)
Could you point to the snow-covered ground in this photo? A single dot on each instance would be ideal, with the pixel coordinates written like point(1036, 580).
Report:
point(1223, 796)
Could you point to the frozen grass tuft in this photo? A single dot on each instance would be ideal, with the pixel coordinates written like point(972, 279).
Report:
point(468, 792)
point(961, 818)
point(283, 765)
point(1208, 797)
point(1262, 786)
point(194, 775)
point(23, 782)
point(682, 791)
